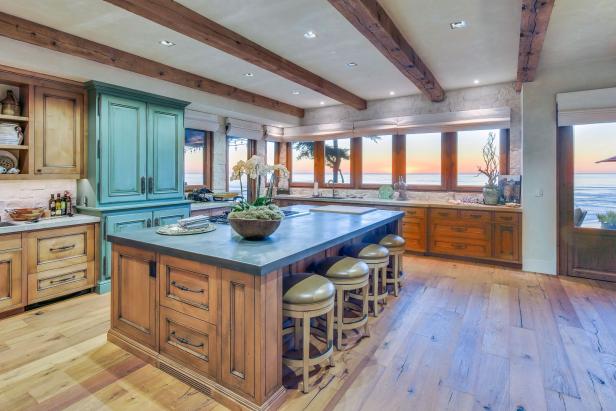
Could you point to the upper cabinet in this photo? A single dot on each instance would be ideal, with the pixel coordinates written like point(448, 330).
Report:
point(139, 147)
point(58, 131)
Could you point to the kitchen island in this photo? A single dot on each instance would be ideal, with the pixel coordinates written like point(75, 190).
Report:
point(207, 308)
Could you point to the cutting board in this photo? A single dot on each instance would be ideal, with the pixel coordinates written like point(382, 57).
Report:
point(343, 209)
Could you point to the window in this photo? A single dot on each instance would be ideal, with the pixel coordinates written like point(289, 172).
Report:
point(338, 161)
point(270, 153)
point(470, 156)
point(423, 159)
point(377, 160)
point(302, 162)
point(237, 149)
point(197, 149)
point(594, 179)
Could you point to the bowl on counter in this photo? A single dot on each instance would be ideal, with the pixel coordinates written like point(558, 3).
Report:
point(25, 214)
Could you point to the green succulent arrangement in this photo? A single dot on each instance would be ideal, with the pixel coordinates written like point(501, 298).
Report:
point(608, 219)
point(256, 212)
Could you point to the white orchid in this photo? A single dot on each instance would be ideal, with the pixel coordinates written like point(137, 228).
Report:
point(257, 169)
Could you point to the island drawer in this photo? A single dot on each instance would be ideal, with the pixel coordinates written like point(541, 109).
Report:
point(57, 248)
point(189, 287)
point(189, 341)
point(60, 281)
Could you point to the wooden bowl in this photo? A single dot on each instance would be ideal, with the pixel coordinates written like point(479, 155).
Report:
point(25, 214)
point(254, 229)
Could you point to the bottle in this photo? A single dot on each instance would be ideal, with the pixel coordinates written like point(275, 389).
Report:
point(58, 204)
point(69, 204)
point(52, 206)
point(63, 205)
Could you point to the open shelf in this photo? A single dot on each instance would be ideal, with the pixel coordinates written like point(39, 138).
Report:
point(6, 117)
point(13, 147)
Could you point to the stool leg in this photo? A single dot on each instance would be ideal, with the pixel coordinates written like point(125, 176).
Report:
point(384, 280)
point(306, 353)
point(375, 291)
point(395, 273)
point(297, 333)
point(365, 310)
point(330, 333)
point(339, 317)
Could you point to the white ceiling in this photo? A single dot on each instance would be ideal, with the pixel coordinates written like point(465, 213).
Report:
point(486, 50)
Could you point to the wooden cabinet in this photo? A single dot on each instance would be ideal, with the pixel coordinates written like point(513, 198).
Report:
point(414, 229)
point(59, 130)
point(507, 237)
point(169, 215)
point(12, 292)
point(133, 307)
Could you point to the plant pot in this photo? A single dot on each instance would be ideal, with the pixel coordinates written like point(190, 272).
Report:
point(608, 226)
point(490, 195)
point(254, 229)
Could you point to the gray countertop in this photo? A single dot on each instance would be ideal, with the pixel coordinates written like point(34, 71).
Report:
point(208, 205)
point(296, 238)
point(45, 223)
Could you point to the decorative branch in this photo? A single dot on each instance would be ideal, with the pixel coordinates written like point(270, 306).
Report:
point(490, 159)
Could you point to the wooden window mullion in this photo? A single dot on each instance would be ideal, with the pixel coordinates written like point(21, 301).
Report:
point(398, 156)
point(504, 146)
point(449, 160)
point(356, 166)
point(319, 162)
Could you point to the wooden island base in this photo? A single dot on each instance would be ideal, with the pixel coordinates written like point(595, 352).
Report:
point(214, 328)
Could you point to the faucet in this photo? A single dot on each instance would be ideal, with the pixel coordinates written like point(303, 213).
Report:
point(333, 187)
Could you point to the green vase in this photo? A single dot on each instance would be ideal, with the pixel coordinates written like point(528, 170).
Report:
point(490, 195)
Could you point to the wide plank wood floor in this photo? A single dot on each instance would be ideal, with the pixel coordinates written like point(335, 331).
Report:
point(460, 337)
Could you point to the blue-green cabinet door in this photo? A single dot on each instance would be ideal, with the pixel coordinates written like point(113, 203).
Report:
point(121, 223)
point(170, 215)
point(165, 152)
point(123, 150)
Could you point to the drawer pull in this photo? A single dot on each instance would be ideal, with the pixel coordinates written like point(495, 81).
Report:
point(185, 341)
point(63, 248)
point(443, 214)
point(63, 280)
point(476, 216)
point(459, 246)
point(506, 218)
point(459, 229)
point(184, 288)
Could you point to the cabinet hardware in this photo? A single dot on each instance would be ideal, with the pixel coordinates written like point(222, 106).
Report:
point(105, 275)
point(184, 288)
point(150, 185)
point(475, 216)
point(63, 248)
point(142, 185)
point(98, 149)
point(63, 280)
point(148, 223)
point(442, 214)
point(98, 108)
point(152, 269)
point(458, 229)
point(156, 222)
point(506, 228)
point(459, 246)
point(185, 341)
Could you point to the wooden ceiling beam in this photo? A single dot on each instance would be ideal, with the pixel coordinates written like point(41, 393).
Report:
point(535, 19)
point(27, 31)
point(183, 20)
point(371, 20)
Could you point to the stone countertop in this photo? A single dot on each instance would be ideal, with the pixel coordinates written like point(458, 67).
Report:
point(296, 238)
point(45, 223)
point(399, 203)
point(207, 205)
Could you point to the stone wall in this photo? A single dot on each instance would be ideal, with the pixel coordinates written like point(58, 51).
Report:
point(32, 193)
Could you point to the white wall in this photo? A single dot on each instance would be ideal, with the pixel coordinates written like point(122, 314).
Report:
point(539, 239)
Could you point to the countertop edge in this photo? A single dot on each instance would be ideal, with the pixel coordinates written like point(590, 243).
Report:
point(250, 268)
point(80, 219)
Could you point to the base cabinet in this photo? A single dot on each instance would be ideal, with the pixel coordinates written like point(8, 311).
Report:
point(12, 293)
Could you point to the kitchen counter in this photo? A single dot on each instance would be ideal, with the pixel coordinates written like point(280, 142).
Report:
point(208, 205)
point(45, 223)
point(296, 238)
point(398, 203)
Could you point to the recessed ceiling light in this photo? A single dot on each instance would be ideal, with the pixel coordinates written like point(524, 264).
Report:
point(295, 92)
point(167, 43)
point(476, 81)
point(351, 64)
point(391, 93)
point(249, 74)
point(457, 24)
point(322, 103)
point(310, 34)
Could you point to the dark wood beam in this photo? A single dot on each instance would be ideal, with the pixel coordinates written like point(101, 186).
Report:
point(183, 20)
point(534, 24)
point(371, 20)
point(27, 31)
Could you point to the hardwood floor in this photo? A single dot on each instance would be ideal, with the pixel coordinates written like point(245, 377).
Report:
point(459, 337)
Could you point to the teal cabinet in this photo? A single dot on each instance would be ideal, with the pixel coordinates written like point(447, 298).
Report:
point(165, 152)
point(123, 150)
point(170, 216)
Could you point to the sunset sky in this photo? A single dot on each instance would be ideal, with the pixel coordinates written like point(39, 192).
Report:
point(594, 142)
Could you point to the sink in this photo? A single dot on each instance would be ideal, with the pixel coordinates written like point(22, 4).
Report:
point(6, 224)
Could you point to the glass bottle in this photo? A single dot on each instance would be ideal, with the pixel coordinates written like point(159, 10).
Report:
point(58, 204)
point(52, 206)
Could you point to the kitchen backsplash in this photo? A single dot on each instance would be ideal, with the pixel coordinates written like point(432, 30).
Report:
point(31, 193)
point(412, 195)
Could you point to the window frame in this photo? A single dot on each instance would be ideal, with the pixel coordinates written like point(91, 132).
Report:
point(208, 160)
point(350, 184)
point(318, 160)
point(400, 159)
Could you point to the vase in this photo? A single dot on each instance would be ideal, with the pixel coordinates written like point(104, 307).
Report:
point(9, 104)
point(490, 195)
point(254, 229)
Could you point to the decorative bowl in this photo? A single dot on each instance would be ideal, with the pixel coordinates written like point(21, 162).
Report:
point(254, 229)
point(25, 214)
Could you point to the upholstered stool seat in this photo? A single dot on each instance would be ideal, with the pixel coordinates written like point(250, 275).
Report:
point(396, 246)
point(347, 273)
point(306, 296)
point(377, 258)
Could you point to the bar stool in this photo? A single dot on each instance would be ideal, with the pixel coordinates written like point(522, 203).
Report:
point(395, 244)
point(347, 273)
point(377, 259)
point(306, 296)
